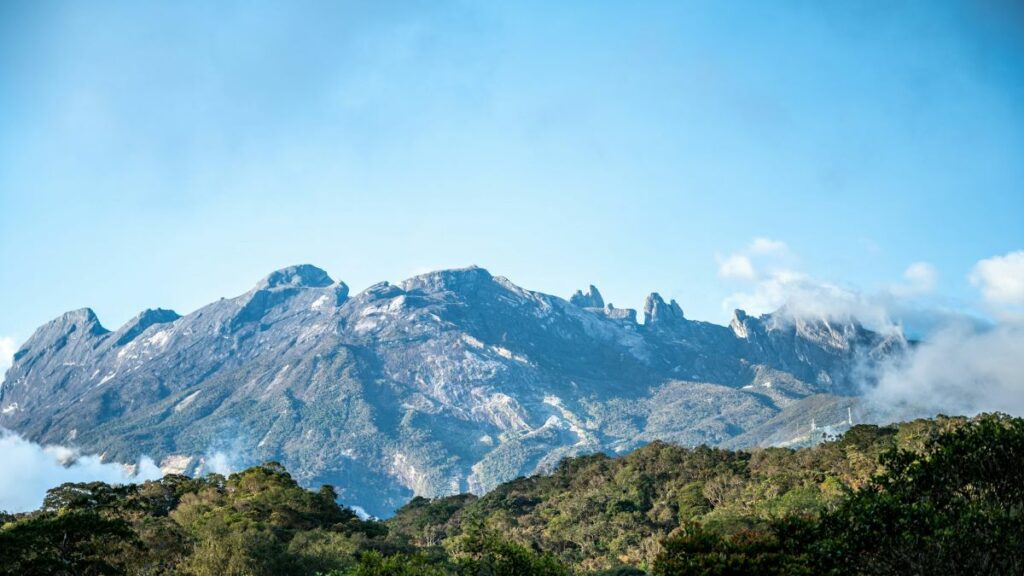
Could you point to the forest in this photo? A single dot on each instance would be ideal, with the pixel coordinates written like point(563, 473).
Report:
point(942, 495)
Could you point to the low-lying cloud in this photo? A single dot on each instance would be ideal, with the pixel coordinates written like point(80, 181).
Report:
point(960, 370)
point(769, 283)
point(29, 470)
point(963, 364)
point(801, 295)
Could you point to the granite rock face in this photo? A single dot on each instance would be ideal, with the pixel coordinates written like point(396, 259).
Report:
point(592, 299)
point(450, 381)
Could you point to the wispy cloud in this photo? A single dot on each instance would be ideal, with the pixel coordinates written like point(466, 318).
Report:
point(767, 246)
point(963, 365)
point(737, 266)
point(766, 281)
point(798, 294)
point(30, 470)
point(918, 279)
point(960, 370)
point(740, 265)
point(769, 283)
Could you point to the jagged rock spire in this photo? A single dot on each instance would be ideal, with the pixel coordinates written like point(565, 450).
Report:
point(739, 323)
point(592, 298)
point(656, 311)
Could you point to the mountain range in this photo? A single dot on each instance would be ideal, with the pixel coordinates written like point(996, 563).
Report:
point(448, 382)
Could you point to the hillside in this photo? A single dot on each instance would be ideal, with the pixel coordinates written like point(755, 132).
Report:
point(451, 381)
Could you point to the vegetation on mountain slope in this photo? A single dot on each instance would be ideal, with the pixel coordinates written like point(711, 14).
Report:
point(943, 495)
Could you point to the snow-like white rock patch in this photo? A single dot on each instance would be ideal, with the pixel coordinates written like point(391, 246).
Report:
point(185, 402)
point(508, 354)
point(159, 339)
point(575, 425)
point(472, 341)
point(175, 464)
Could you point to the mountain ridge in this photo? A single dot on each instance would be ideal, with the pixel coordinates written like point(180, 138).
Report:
point(448, 381)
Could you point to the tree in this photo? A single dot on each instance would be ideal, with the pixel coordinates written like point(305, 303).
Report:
point(957, 509)
point(480, 553)
point(778, 549)
point(79, 543)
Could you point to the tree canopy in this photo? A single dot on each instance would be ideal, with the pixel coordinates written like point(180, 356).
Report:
point(931, 496)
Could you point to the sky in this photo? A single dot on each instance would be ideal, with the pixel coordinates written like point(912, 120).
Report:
point(867, 155)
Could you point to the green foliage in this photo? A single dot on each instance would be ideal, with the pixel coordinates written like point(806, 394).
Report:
point(376, 564)
point(65, 543)
point(956, 508)
point(954, 505)
point(598, 513)
point(777, 550)
point(259, 521)
point(479, 553)
point(930, 496)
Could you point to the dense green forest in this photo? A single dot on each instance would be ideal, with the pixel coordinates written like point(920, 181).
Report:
point(925, 497)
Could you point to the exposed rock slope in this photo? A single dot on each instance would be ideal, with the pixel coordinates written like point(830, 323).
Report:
point(449, 381)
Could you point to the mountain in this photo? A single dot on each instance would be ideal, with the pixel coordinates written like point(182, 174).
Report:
point(448, 382)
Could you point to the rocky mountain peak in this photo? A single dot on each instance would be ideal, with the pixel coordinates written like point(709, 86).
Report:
point(83, 319)
point(657, 312)
point(739, 324)
point(453, 280)
point(591, 299)
point(282, 289)
point(144, 320)
point(452, 380)
point(302, 275)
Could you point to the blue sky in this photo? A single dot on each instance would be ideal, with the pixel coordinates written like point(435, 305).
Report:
point(169, 153)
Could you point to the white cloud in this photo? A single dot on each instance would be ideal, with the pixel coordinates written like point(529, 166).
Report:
point(771, 286)
point(964, 365)
point(1001, 279)
point(767, 246)
point(919, 279)
point(959, 370)
point(29, 470)
point(802, 296)
point(219, 463)
point(737, 266)
point(740, 265)
point(361, 512)
point(8, 346)
point(799, 294)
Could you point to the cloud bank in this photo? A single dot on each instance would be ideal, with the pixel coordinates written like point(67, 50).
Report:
point(960, 370)
point(962, 366)
point(29, 470)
